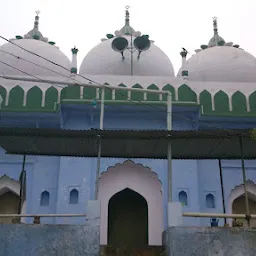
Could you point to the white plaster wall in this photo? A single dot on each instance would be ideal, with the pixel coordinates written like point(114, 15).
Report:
point(143, 181)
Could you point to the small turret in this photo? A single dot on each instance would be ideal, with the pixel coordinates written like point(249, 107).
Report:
point(74, 60)
point(183, 54)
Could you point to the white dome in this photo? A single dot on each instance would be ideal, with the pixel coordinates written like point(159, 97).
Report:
point(103, 60)
point(9, 53)
point(221, 64)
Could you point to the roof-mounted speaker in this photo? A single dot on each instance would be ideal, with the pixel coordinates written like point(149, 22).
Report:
point(120, 44)
point(142, 43)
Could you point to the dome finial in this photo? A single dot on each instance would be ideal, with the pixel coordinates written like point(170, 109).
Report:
point(35, 33)
point(127, 15)
point(36, 22)
point(127, 29)
point(215, 25)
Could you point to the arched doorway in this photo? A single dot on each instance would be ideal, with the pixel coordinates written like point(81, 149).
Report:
point(128, 219)
point(238, 207)
point(9, 204)
point(137, 178)
point(236, 201)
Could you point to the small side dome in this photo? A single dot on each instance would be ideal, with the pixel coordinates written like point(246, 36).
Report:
point(18, 59)
point(14, 58)
point(221, 64)
point(103, 60)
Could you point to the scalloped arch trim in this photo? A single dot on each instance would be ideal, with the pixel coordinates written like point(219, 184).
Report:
point(140, 179)
point(8, 184)
point(238, 191)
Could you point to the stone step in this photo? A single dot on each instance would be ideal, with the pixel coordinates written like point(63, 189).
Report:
point(109, 250)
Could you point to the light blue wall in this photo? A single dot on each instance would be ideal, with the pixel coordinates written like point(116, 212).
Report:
point(59, 175)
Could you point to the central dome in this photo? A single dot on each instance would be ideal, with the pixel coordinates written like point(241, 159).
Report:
point(103, 60)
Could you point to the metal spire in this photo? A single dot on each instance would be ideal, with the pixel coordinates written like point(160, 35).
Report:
point(36, 23)
point(35, 33)
point(127, 29)
point(215, 25)
point(127, 15)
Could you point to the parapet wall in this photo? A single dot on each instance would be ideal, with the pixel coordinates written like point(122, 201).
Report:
point(199, 241)
point(53, 240)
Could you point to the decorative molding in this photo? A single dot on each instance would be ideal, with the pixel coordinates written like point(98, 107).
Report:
point(238, 191)
point(140, 179)
point(9, 184)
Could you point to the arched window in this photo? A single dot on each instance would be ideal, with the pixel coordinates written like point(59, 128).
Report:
point(210, 201)
point(183, 198)
point(45, 198)
point(73, 196)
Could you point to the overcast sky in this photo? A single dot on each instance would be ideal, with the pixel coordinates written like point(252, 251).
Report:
point(171, 24)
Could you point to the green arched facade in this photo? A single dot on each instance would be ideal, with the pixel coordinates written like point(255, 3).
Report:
point(252, 103)
point(34, 98)
point(137, 96)
point(70, 92)
point(239, 103)
point(51, 98)
point(3, 96)
point(205, 100)
point(185, 94)
point(221, 102)
point(16, 98)
point(153, 96)
point(35, 101)
point(169, 88)
point(120, 94)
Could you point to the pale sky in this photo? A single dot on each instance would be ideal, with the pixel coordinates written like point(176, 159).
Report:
point(171, 24)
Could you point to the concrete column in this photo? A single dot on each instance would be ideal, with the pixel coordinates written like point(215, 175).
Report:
point(174, 214)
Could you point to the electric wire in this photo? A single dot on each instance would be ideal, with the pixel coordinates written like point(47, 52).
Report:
point(106, 86)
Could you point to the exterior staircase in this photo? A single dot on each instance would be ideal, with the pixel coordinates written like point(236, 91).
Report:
point(109, 250)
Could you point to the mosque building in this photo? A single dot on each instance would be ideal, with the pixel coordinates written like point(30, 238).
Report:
point(214, 89)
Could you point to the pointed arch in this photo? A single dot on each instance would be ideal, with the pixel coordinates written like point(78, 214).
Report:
point(89, 93)
point(183, 198)
point(210, 201)
point(152, 96)
point(128, 219)
point(73, 196)
point(51, 98)
point(120, 94)
point(70, 92)
point(169, 88)
point(239, 103)
point(141, 180)
point(137, 96)
point(108, 92)
point(8, 184)
point(16, 98)
point(238, 191)
point(252, 102)
point(45, 198)
point(13, 186)
point(34, 98)
point(186, 94)
point(221, 102)
point(205, 100)
point(3, 93)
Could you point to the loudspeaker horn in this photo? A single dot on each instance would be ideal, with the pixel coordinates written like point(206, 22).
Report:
point(120, 44)
point(141, 43)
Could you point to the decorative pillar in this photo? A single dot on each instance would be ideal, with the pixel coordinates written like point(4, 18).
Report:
point(74, 60)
